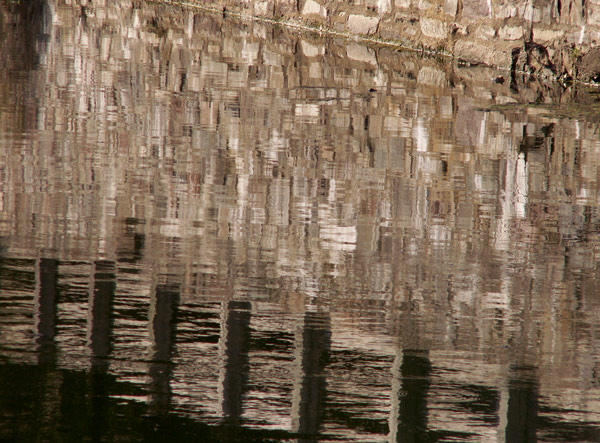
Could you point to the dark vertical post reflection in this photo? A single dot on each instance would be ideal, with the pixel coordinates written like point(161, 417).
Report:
point(45, 306)
point(163, 326)
point(413, 378)
point(45, 321)
point(312, 354)
point(522, 413)
point(235, 339)
point(102, 292)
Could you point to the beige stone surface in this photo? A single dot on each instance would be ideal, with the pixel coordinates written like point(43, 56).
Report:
point(434, 28)
point(485, 32)
point(482, 31)
point(311, 7)
point(546, 35)
point(593, 13)
point(476, 8)
point(263, 8)
point(362, 24)
point(478, 50)
point(510, 32)
point(451, 7)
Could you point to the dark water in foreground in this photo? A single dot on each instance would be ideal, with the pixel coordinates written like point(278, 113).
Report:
point(223, 231)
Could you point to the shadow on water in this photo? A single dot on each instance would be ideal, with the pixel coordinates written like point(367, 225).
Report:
point(44, 403)
point(313, 343)
point(236, 340)
point(43, 400)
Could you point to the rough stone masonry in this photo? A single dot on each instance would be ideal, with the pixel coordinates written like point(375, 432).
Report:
point(555, 39)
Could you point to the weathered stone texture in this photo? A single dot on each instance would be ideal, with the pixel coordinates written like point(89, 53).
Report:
point(283, 8)
point(530, 13)
point(362, 24)
point(433, 28)
point(311, 7)
point(403, 4)
point(593, 13)
point(589, 64)
point(451, 7)
point(485, 32)
point(505, 11)
point(476, 8)
point(510, 33)
point(479, 31)
point(263, 8)
point(384, 6)
point(546, 35)
point(472, 50)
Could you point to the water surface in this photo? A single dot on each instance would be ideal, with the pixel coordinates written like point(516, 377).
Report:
point(219, 230)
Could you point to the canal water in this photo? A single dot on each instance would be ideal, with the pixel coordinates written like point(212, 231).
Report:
point(213, 229)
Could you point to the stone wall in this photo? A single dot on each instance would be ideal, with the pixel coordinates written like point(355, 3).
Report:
point(549, 39)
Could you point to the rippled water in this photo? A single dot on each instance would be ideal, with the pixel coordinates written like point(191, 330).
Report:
point(222, 230)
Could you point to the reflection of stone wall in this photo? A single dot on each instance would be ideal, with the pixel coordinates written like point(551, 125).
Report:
point(253, 159)
point(498, 33)
point(174, 111)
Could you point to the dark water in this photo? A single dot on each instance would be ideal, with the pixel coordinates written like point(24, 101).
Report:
point(214, 230)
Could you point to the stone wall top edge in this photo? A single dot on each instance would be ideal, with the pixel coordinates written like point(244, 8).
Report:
point(499, 34)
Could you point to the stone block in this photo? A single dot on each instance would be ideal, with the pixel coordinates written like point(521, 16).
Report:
point(476, 8)
point(390, 30)
point(593, 17)
point(405, 4)
point(577, 36)
point(506, 11)
point(424, 5)
point(285, 7)
point(482, 52)
point(384, 6)
point(311, 7)
point(433, 28)
point(263, 8)
point(451, 7)
point(546, 35)
point(530, 13)
point(510, 33)
point(362, 24)
point(485, 32)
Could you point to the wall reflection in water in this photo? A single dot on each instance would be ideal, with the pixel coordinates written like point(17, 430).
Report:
point(224, 229)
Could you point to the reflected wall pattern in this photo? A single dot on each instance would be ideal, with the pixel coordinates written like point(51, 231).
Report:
point(231, 215)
